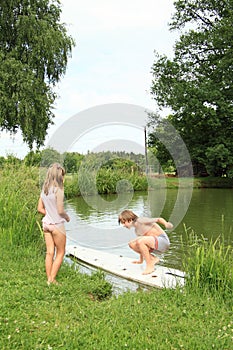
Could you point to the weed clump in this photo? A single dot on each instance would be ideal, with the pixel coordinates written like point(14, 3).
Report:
point(209, 265)
point(99, 289)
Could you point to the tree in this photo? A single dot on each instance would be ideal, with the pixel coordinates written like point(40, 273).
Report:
point(197, 82)
point(72, 161)
point(33, 158)
point(50, 156)
point(34, 50)
point(167, 145)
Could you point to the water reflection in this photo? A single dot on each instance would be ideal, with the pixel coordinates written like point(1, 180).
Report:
point(94, 221)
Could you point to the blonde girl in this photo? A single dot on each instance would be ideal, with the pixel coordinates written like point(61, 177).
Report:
point(51, 205)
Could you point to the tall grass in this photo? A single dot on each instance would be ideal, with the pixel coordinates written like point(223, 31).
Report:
point(19, 191)
point(208, 265)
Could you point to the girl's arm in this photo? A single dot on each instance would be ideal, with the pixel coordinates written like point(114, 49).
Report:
point(60, 205)
point(40, 207)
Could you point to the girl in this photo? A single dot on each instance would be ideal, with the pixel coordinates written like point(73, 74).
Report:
point(51, 205)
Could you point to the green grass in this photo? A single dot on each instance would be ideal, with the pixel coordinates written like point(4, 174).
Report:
point(82, 313)
point(186, 182)
point(208, 265)
point(35, 316)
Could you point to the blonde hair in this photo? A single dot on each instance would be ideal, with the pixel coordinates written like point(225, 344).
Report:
point(126, 215)
point(54, 177)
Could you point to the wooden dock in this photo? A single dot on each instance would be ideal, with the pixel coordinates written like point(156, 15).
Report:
point(118, 265)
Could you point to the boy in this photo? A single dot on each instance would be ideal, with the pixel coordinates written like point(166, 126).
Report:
point(151, 237)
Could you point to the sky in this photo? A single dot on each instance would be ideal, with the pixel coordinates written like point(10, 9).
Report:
point(111, 63)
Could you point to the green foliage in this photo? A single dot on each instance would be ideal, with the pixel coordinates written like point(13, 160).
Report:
point(12, 160)
point(208, 265)
point(218, 158)
point(71, 187)
point(34, 49)
point(87, 182)
point(19, 195)
point(106, 173)
point(50, 156)
point(197, 83)
point(99, 288)
point(72, 161)
point(126, 165)
point(33, 158)
point(167, 145)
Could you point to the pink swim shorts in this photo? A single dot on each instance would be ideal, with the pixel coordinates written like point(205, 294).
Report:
point(52, 227)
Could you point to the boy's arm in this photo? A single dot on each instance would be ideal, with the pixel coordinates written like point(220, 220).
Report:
point(161, 221)
point(164, 222)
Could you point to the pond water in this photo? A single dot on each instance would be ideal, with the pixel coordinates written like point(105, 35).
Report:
point(94, 223)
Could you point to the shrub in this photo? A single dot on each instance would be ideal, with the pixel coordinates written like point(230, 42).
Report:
point(99, 289)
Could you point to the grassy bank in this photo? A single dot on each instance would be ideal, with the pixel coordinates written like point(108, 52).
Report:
point(35, 316)
point(199, 182)
point(82, 312)
point(108, 181)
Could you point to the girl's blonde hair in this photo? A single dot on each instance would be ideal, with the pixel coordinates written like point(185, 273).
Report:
point(54, 177)
point(126, 215)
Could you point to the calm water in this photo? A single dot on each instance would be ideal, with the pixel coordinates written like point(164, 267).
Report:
point(206, 211)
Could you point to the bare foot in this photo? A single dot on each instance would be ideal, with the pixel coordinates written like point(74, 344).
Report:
point(53, 282)
point(155, 260)
point(150, 267)
point(56, 282)
point(137, 262)
point(148, 270)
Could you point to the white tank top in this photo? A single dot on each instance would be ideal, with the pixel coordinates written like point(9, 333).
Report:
point(52, 216)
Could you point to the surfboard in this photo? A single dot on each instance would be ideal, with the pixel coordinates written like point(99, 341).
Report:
point(118, 265)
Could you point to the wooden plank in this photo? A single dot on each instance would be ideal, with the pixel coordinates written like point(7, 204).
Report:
point(162, 277)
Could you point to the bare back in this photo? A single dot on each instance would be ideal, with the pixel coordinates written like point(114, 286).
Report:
point(147, 227)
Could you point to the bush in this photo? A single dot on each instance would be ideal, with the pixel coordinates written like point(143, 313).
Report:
point(99, 289)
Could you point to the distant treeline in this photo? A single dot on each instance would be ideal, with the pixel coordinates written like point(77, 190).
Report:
point(73, 160)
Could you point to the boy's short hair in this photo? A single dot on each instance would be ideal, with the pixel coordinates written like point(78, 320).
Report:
point(126, 215)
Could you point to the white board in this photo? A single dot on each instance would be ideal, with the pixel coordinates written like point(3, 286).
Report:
point(118, 265)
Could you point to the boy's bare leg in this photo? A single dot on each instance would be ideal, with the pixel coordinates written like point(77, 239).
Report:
point(144, 246)
point(140, 261)
point(150, 266)
point(133, 245)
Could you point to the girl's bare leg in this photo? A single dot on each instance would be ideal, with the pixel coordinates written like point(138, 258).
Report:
point(60, 243)
point(49, 253)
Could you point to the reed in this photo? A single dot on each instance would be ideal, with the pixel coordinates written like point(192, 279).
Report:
point(208, 264)
point(19, 191)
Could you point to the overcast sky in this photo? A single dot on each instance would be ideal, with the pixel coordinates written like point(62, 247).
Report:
point(111, 63)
